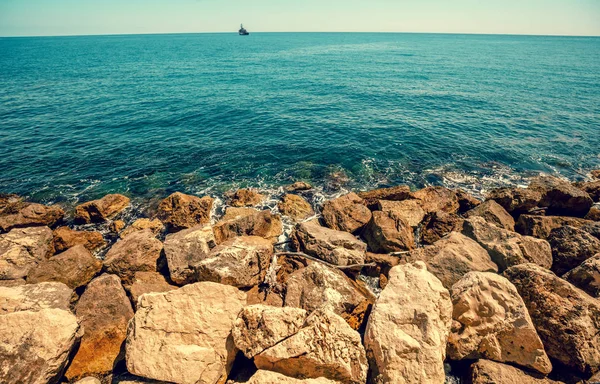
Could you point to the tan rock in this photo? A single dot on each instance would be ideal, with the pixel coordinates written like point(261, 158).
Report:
point(186, 248)
point(147, 282)
point(384, 263)
point(268, 377)
point(492, 322)
point(248, 222)
point(295, 207)
point(34, 297)
point(117, 226)
point(65, 238)
point(409, 210)
point(435, 199)
point(571, 247)
point(18, 214)
point(180, 211)
point(592, 188)
point(88, 380)
point(12, 283)
point(595, 174)
point(244, 198)
point(154, 225)
point(408, 327)
point(541, 226)
point(466, 201)
point(264, 295)
point(398, 193)
point(387, 233)
point(138, 252)
point(489, 372)
point(515, 200)
point(437, 225)
point(22, 249)
point(493, 213)
point(561, 197)
point(75, 267)
point(184, 336)
point(346, 213)
point(593, 214)
point(97, 211)
point(586, 276)
point(298, 186)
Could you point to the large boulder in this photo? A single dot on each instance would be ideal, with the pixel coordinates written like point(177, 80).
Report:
point(147, 282)
point(541, 226)
point(244, 198)
point(346, 213)
point(586, 276)
point(97, 211)
point(65, 238)
point(565, 317)
point(180, 211)
point(490, 372)
point(154, 225)
point(248, 222)
point(410, 210)
point(571, 247)
point(435, 199)
point(34, 297)
point(398, 193)
point(139, 251)
point(23, 249)
point(592, 188)
point(15, 213)
point(515, 201)
point(493, 213)
point(103, 311)
point(336, 247)
point(186, 248)
point(508, 248)
point(35, 345)
point(241, 262)
point(450, 258)
point(295, 207)
point(184, 336)
point(386, 232)
point(436, 225)
point(75, 267)
point(408, 328)
point(561, 197)
point(492, 322)
point(265, 377)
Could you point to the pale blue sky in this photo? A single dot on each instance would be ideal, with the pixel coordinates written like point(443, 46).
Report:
point(82, 17)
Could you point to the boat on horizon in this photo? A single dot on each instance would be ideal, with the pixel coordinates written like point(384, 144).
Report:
point(243, 31)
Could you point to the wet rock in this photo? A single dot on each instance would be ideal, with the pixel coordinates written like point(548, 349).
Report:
point(23, 249)
point(346, 213)
point(466, 201)
point(265, 377)
point(586, 276)
point(398, 193)
point(593, 214)
point(65, 238)
point(155, 226)
point(565, 318)
point(387, 233)
point(295, 207)
point(561, 197)
point(592, 188)
point(186, 248)
point(450, 258)
point(244, 198)
point(75, 267)
point(409, 210)
point(435, 199)
point(508, 248)
point(180, 211)
point(97, 211)
point(408, 327)
point(248, 222)
point(147, 282)
point(492, 322)
point(35, 345)
point(34, 297)
point(15, 213)
point(489, 372)
point(541, 226)
point(516, 201)
point(298, 186)
point(336, 247)
point(436, 225)
point(184, 336)
point(138, 252)
point(241, 262)
point(571, 247)
point(103, 311)
point(493, 213)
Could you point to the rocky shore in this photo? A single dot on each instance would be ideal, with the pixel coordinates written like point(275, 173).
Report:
point(384, 286)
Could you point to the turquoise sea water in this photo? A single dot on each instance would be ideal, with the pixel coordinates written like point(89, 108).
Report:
point(147, 115)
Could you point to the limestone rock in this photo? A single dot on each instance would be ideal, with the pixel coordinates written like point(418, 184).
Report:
point(492, 322)
point(435, 199)
point(154, 225)
point(571, 247)
point(75, 267)
point(541, 226)
point(147, 282)
point(586, 276)
point(35, 345)
point(508, 248)
point(493, 213)
point(561, 197)
point(103, 311)
point(180, 211)
point(298, 186)
point(336, 247)
point(34, 297)
point(565, 318)
point(436, 225)
point(384, 263)
point(186, 248)
point(489, 372)
point(248, 222)
point(592, 188)
point(295, 207)
point(268, 377)
point(184, 336)
point(593, 214)
point(22, 249)
point(466, 201)
point(117, 226)
point(241, 262)
point(18, 214)
point(387, 233)
point(346, 213)
point(12, 283)
point(139, 251)
point(595, 174)
point(410, 210)
point(97, 211)
point(65, 238)
point(515, 200)
point(244, 198)
point(398, 193)
point(88, 380)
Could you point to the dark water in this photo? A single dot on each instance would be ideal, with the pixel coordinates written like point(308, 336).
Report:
point(147, 115)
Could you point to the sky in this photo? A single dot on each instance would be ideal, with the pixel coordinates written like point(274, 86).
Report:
point(91, 17)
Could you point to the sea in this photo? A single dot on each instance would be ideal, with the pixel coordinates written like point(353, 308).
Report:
point(147, 115)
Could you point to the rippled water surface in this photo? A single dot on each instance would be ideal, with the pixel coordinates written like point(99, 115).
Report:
point(147, 115)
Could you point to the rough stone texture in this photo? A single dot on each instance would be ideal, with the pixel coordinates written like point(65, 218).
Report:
point(384, 263)
point(409, 210)
point(346, 213)
point(186, 248)
point(508, 248)
point(336, 247)
point(325, 346)
point(75, 267)
point(184, 336)
point(570, 248)
point(147, 282)
point(295, 207)
point(398, 193)
point(34, 297)
point(561, 197)
point(408, 328)
point(35, 345)
point(515, 200)
point(117, 226)
point(180, 211)
point(541, 226)
point(489, 372)
point(565, 317)
point(139, 251)
point(103, 311)
point(97, 211)
point(22, 249)
point(65, 238)
point(268, 377)
point(241, 262)
point(12, 283)
point(595, 174)
point(154, 225)
point(493, 213)
point(387, 232)
point(586, 276)
point(450, 258)
point(298, 186)
point(248, 222)
point(592, 188)
point(593, 214)
point(88, 380)
point(435, 199)
point(14, 213)
point(593, 228)
point(436, 225)
point(492, 322)
point(466, 201)
point(244, 198)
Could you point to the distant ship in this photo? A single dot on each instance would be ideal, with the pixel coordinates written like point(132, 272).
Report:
point(243, 31)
